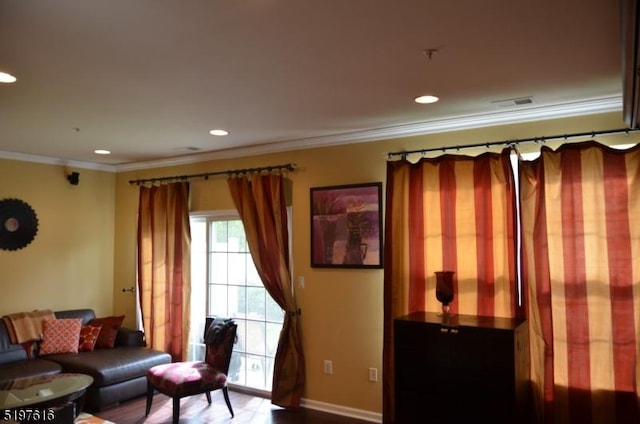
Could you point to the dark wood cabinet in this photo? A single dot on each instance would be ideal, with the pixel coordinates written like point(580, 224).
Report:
point(461, 369)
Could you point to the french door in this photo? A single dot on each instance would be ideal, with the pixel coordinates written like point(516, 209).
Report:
point(225, 283)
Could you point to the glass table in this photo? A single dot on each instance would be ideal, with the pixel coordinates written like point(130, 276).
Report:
point(54, 399)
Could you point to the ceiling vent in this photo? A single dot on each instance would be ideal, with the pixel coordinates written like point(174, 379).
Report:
point(520, 101)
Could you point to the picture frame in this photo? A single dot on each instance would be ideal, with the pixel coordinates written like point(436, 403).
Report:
point(346, 226)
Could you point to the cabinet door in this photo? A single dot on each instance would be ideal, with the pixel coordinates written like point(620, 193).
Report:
point(425, 370)
point(485, 360)
point(423, 354)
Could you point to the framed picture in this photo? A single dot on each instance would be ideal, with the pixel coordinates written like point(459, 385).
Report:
point(345, 226)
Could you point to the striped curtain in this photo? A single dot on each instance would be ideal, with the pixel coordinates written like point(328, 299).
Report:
point(581, 237)
point(453, 213)
point(164, 266)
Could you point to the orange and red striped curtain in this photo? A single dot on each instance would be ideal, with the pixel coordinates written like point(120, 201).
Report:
point(164, 266)
point(452, 213)
point(581, 237)
point(260, 200)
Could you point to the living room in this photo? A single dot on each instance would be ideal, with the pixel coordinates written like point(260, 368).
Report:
point(84, 252)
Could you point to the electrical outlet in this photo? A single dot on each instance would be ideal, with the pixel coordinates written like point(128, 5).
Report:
point(373, 374)
point(328, 366)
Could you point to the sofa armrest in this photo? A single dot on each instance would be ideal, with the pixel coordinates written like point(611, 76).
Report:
point(130, 338)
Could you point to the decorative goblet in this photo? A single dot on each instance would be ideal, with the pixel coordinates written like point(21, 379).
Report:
point(444, 289)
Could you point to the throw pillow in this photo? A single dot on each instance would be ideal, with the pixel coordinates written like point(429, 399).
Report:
point(110, 326)
point(60, 336)
point(88, 337)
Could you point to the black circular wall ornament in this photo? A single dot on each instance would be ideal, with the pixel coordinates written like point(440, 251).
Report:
point(18, 224)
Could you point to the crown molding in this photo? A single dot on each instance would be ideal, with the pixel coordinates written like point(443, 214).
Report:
point(48, 160)
point(521, 115)
point(466, 122)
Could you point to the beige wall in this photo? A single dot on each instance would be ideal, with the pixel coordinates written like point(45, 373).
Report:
point(69, 264)
point(76, 261)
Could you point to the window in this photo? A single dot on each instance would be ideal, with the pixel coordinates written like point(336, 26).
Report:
point(224, 282)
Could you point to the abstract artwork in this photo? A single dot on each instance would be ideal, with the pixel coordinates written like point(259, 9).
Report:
point(345, 226)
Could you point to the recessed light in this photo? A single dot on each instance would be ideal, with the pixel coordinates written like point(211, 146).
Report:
point(102, 152)
point(426, 99)
point(7, 78)
point(219, 132)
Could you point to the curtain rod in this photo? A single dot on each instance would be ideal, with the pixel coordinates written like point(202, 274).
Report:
point(514, 141)
point(206, 175)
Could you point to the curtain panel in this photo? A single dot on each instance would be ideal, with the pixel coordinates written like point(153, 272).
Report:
point(260, 201)
point(454, 213)
point(164, 255)
point(581, 237)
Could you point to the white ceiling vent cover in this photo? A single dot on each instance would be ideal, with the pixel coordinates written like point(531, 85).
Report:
point(520, 101)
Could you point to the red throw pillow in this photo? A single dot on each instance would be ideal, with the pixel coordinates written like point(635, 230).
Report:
point(110, 327)
point(88, 337)
point(60, 336)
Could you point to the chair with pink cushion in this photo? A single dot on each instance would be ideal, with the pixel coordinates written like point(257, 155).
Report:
point(183, 379)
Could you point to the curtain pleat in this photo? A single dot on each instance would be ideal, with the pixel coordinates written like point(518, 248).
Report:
point(260, 200)
point(581, 235)
point(454, 213)
point(164, 280)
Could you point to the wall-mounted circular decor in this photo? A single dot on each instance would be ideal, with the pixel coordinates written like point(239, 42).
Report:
point(18, 224)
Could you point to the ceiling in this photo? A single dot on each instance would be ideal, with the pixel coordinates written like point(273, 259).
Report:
point(147, 79)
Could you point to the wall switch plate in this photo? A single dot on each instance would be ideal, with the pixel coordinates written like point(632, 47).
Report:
point(373, 374)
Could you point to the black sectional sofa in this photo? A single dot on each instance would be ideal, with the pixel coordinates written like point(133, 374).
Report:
point(119, 373)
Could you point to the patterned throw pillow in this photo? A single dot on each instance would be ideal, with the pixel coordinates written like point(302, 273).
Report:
point(110, 327)
point(88, 337)
point(60, 336)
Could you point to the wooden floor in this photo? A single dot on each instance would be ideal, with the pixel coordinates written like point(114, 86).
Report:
point(195, 410)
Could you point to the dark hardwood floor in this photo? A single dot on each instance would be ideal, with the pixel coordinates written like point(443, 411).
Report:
point(195, 410)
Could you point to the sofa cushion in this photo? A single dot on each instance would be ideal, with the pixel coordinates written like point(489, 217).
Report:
point(60, 336)
point(129, 337)
point(110, 366)
point(11, 354)
point(110, 326)
point(85, 314)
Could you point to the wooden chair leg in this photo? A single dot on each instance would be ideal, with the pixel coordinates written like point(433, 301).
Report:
point(225, 392)
point(150, 392)
point(208, 393)
point(176, 410)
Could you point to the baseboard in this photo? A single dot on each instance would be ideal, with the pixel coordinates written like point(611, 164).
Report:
point(330, 408)
point(360, 414)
